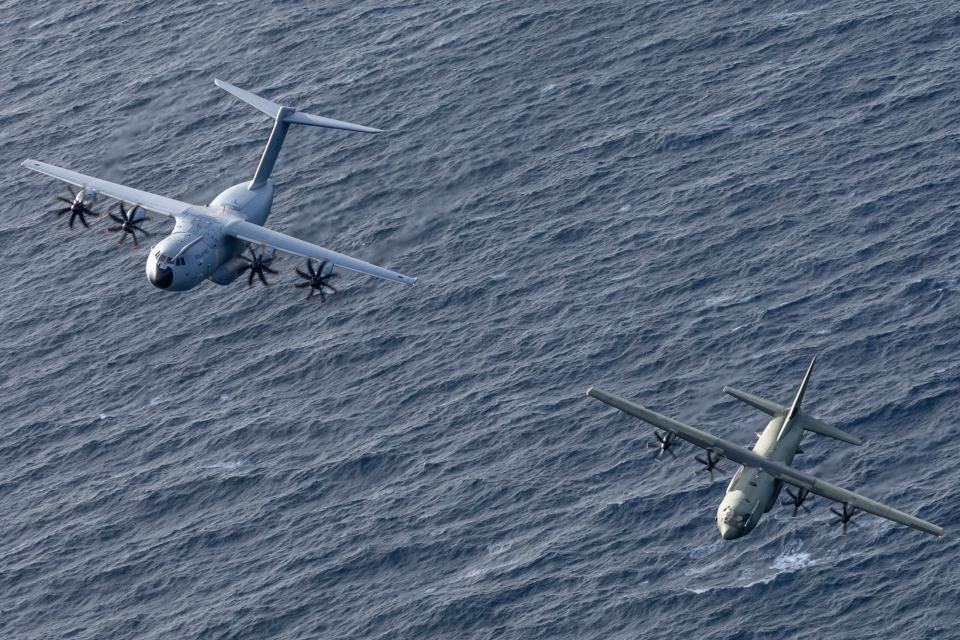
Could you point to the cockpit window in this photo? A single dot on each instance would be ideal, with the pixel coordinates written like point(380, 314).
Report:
point(168, 260)
point(734, 519)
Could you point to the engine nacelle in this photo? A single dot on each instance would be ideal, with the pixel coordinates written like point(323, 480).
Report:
point(228, 271)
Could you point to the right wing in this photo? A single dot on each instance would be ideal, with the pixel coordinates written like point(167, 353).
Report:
point(741, 455)
point(150, 201)
point(257, 235)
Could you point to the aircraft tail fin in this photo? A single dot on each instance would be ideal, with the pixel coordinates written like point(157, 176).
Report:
point(283, 117)
point(797, 399)
point(793, 412)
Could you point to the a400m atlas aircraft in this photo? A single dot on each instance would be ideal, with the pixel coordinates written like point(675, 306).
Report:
point(763, 470)
point(207, 242)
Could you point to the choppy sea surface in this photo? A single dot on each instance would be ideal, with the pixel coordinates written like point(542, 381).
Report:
point(656, 198)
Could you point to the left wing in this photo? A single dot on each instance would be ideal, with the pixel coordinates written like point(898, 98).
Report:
point(151, 201)
point(258, 235)
point(741, 455)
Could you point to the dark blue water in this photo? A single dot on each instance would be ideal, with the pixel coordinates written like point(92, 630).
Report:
point(655, 198)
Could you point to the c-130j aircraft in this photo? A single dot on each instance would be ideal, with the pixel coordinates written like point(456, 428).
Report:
point(207, 242)
point(766, 468)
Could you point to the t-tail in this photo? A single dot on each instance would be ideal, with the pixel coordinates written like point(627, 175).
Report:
point(792, 412)
point(283, 117)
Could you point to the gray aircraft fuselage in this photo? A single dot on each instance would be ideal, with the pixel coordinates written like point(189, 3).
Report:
point(752, 492)
point(765, 467)
point(197, 250)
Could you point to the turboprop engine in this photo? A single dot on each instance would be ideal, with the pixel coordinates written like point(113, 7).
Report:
point(78, 205)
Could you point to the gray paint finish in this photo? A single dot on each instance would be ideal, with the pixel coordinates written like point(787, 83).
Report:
point(757, 483)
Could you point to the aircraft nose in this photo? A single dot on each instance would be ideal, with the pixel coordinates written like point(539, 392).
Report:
point(160, 277)
point(729, 533)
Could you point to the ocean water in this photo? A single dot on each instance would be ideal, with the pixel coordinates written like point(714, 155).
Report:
point(656, 198)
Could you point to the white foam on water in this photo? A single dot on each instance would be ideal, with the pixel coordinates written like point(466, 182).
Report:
point(236, 464)
point(789, 561)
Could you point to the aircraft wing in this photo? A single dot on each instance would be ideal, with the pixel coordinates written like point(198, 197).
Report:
point(258, 235)
point(742, 455)
point(150, 201)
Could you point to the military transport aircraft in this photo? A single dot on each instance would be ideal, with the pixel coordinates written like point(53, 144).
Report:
point(763, 470)
point(208, 242)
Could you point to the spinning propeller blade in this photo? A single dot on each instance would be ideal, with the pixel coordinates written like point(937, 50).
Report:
point(317, 278)
point(128, 222)
point(77, 206)
point(665, 443)
point(258, 264)
point(710, 464)
point(797, 500)
point(843, 517)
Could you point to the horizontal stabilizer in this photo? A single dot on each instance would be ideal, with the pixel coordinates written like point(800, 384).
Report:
point(817, 426)
point(269, 108)
point(299, 117)
point(768, 407)
point(291, 115)
point(808, 422)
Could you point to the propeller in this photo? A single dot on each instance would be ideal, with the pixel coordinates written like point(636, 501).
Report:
point(666, 441)
point(257, 264)
point(710, 464)
point(797, 500)
point(844, 517)
point(317, 279)
point(128, 223)
point(77, 207)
